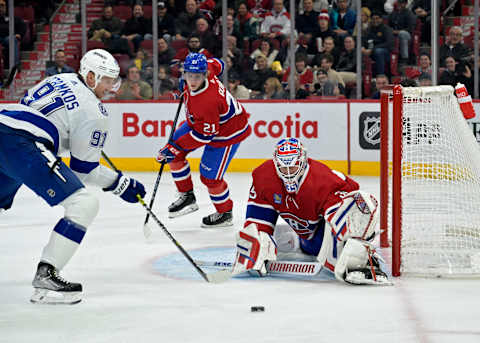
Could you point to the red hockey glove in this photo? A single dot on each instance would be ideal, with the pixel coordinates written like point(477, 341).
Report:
point(168, 153)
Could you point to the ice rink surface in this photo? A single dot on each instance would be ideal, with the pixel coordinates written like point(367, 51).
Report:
point(139, 292)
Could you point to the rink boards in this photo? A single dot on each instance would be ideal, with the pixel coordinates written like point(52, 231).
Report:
point(345, 135)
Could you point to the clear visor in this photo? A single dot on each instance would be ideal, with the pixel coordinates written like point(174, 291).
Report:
point(194, 77)
point(110, 84)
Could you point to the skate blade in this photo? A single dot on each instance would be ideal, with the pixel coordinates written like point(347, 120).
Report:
point(45, 296)
point(222, 225)
point(189, 209)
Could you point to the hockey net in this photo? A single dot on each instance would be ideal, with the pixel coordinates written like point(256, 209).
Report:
point(430, 183)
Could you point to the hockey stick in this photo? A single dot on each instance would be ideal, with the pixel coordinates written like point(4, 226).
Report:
point(162, 165)
point(217, 277)
point(300, 268)
point(11, 77)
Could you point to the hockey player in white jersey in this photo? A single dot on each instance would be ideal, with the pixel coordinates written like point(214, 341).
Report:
point(63, 113)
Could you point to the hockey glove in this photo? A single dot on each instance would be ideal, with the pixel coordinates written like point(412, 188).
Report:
point(254, 248)
point(359, 264)
point(126, 188)
point(168, 153)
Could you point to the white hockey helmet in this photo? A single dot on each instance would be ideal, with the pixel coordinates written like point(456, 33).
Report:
point(290, 159)
point(101, 63)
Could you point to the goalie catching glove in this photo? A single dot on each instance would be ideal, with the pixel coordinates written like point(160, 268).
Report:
point(359, 264)
point(254, 248)
point(354, 221)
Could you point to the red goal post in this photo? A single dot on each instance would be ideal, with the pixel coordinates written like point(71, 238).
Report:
point(430, 183)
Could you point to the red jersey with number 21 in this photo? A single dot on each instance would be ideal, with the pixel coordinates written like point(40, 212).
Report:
point(215, 117)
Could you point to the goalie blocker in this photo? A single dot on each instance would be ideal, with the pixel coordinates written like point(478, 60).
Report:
point(332, 220)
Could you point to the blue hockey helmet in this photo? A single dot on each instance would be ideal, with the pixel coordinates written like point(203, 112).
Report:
point(195, 63)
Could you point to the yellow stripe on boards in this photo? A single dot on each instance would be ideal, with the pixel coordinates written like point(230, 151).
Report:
point(245, 165)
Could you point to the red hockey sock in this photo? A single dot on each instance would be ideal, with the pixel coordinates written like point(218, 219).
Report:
point(181, 175)
point(219, 194)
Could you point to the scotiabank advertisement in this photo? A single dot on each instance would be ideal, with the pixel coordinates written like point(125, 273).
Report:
point(140, 129)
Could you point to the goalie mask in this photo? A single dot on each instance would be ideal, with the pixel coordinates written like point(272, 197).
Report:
point(290, 159)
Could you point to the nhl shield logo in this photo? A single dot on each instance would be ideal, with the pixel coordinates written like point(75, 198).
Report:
point(369, 127)
point(371, 130)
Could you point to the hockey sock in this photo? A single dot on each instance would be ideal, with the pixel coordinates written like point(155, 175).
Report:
point(63, 243)
point(181, 175)
point(219, 194)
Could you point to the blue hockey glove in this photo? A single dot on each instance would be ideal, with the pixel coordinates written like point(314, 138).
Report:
point(126, 188)
point(168, 153)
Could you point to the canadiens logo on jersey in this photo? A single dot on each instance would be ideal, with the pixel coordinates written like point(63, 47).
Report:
point(102, 109)
point(304, 228)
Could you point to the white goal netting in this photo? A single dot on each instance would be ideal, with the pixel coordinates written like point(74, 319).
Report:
point(440, 186)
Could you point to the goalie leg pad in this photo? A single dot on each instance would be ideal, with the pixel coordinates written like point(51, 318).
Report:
point(355, 216)
point(359, 264)
point(254, 248)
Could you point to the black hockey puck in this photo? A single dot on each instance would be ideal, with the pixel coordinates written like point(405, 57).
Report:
point(257, 309)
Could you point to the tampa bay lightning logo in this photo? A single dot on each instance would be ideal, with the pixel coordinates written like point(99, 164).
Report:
point(102, 109)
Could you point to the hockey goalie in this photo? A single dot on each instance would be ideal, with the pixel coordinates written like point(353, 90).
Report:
point(332, 221)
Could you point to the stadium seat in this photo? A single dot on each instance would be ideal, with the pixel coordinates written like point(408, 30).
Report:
point(178, 44)
point(94, 45)
point(123, 12)
point(147, 11)
point(27, 13)
point(124, 62)
point(394, 64)
point(147, 45)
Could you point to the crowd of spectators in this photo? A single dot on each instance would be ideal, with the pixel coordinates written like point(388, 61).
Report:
point(258, 37)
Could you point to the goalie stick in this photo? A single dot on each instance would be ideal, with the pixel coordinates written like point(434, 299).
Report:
point(217, 277)
point(275, 267)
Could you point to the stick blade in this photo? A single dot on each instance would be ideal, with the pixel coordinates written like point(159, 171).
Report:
point(147, 231)
point(220, 276)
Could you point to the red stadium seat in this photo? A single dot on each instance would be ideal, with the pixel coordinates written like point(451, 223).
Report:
point(147, 11)
point(147, 45)
point(123, 12)
point(178, 44)
point(94, 45)
point(124, 62)
point(394, 64)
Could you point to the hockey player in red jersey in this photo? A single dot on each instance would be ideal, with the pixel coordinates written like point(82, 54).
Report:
point(332, 220)
point(216, 121)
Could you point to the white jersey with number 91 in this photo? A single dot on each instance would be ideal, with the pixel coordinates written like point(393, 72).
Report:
point(81, 120)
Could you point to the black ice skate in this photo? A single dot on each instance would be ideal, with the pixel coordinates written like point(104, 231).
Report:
point(50, 288)
point(185, 204)
point(218, 220)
